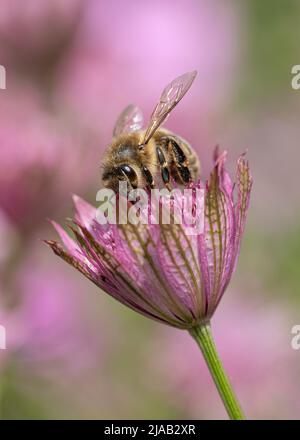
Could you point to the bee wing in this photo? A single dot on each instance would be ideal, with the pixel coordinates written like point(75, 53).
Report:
point(131, 119)
point(170, 97)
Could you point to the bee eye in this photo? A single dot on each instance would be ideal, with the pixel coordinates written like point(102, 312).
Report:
point(130, 173)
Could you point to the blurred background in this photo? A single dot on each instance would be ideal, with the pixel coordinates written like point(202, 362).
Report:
point(72, 66)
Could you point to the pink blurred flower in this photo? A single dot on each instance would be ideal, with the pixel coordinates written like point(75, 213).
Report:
point(128, 51)
point(273, 126)
point(254, 344)
point(49, 330)
point(34, 34)
point(161, 271)
point(41, 158)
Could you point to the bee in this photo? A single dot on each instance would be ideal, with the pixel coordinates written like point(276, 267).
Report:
point(152, 157)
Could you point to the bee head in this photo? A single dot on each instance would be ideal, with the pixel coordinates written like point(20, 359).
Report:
point(120, 173)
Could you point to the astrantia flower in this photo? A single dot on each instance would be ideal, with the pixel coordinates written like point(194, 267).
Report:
point(164, 272)
point(159, 270)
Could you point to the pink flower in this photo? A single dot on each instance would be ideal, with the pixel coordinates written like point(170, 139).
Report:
point(47, 332)
point(159, 270)
point(41, 158)
point(34, 34)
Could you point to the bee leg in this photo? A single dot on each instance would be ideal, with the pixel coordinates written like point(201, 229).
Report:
point(165, 174)
point(180, 160)
point(148, 177)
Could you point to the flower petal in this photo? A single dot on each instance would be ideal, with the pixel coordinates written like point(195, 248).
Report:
point(85, 213)
point(216, 244)
point(244, 186)
point(69, 243)
point(151, 279)
point(177, 255)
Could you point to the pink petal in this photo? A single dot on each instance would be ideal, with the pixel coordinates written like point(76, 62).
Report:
point(216, 245)
point(69, 243)
point(85, 213)
point(177, 255)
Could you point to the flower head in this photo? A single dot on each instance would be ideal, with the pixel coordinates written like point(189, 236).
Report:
point(160, 270)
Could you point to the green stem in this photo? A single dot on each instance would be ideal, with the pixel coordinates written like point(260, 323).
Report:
point(204, 339)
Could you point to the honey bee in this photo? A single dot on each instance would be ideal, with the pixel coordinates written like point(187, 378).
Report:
point(152, 157)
